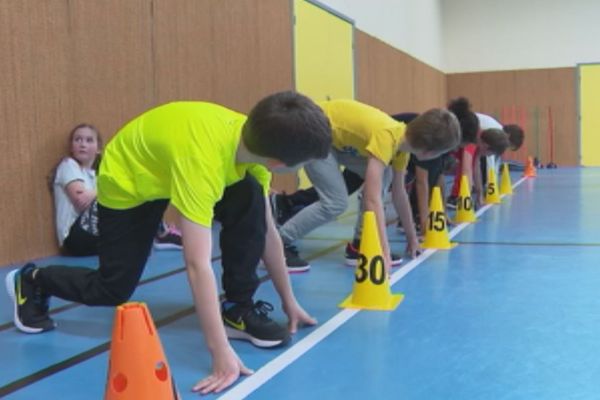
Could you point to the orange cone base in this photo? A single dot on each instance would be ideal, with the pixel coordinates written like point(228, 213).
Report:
point(389, 304)
point(448, 246)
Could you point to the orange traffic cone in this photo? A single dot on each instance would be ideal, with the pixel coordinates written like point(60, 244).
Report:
point(491, 189)
point(436, 235)
point(371, 289)
point(505, 183)
point(137, 368)
point(465, 212)
point(530, 171)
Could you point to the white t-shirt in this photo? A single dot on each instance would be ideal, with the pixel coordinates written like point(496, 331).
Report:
point(68, 171)
point(487, 122)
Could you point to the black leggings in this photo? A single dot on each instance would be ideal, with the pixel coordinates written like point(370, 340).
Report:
point(125, 243)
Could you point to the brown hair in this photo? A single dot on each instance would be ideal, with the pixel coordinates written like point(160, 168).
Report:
point(52, 175)
point(289, 127)
point(434, 130)
point(496, 140)
point(516, 136)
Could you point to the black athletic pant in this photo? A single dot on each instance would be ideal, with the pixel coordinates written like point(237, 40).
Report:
point(79, 242)
point(126, 240)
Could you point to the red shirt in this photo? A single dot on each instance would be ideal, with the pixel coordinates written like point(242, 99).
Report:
point(470, 148)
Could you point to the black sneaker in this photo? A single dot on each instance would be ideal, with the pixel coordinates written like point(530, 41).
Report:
point(30, 304)
point(293, 261)
point(451, 202)
point(352, 256)
point(253, 323)
point(280, 208)
point(169, 240)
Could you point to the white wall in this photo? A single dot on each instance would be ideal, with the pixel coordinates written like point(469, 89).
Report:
point(483, 35)
point(413, 26)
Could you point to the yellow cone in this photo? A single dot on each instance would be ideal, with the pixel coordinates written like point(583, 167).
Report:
point(436, 235)
point(371, 289)
point(465, 210)
point(505, 183)
point(491, 188)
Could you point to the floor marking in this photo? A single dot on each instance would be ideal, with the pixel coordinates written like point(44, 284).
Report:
point(273, 367)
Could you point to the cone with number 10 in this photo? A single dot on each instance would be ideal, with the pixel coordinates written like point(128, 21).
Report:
point(491, 189)
point(464, 206)
point(505, 183)
point(371, 289)
point(436, 235)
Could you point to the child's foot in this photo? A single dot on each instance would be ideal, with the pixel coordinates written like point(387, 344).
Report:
point(352, 256)
point(293, 260)
point(30, 304)
point(451, 202)
point(252, 323)
point(169, 240)
point(280, 208)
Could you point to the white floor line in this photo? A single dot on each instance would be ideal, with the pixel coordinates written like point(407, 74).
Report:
point(273, 367)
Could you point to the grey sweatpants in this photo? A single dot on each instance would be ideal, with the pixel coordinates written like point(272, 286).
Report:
point(328, 181)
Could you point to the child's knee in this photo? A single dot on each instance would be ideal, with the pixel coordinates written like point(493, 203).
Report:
point(335, 208)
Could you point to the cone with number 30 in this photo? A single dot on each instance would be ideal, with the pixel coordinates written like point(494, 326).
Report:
point(371, 289)
point(436, 235)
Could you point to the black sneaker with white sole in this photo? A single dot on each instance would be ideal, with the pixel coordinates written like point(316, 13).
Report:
point(293, 260)
point(352, 256)
point(30, 304)
point(252, 323)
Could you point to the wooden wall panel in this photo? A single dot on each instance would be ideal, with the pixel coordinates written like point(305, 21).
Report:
point(68, 61)
point(111, 69)
point(528, 97)
point(34, 110)
point(394, 81)
point(231, 52)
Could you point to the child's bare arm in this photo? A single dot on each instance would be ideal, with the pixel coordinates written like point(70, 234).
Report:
point(422, 188)
point(79, 195)
point(402, 205)
point(372, 201)
point(226, 365)
point(274, 260)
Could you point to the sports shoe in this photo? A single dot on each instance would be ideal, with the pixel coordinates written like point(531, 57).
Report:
point(253, 323)
point(451, 202)
point(352, 256)
point(293, 261)
point(30, 304)
point(169, 240)
point(280, 208)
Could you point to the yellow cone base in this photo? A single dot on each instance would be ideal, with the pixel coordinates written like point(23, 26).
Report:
point(461, 219)
point(440, 246)
point(389, 303)
point(492, 199)
point(505, 183)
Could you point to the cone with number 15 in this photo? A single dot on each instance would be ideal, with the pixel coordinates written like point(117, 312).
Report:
point(436, 235)
point(491, 190)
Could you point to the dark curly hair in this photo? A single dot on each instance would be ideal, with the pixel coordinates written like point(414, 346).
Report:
point(469, 123)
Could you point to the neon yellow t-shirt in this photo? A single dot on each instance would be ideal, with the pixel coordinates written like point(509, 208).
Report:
point(182, 151)
point(364, 130)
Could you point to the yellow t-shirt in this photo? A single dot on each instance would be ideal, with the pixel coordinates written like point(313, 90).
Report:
point(364, 130)
point(182, 151)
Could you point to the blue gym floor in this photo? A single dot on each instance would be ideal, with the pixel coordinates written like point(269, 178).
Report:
point(512, 312)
